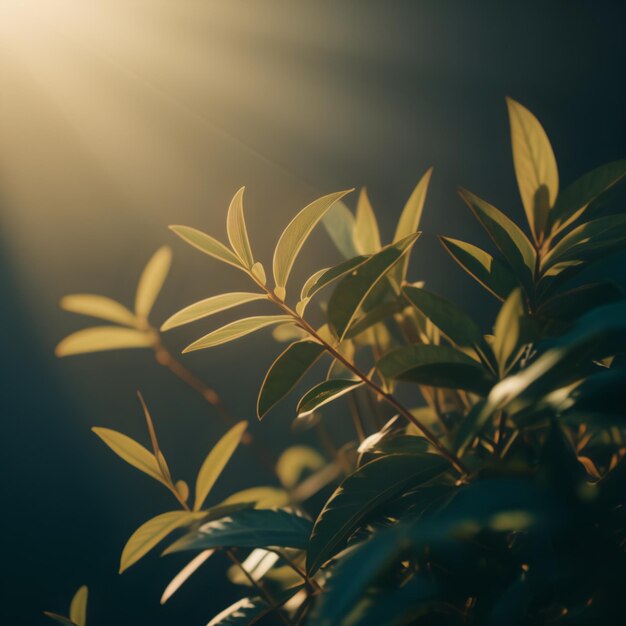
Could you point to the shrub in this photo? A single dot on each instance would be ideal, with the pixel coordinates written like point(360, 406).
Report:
point(495, 495)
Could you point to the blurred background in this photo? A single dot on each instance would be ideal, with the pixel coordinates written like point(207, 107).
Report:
point(119, 117)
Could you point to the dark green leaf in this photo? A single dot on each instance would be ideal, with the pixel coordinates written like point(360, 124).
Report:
point(250, 528)
point(572, 304)
point(324, 393)
point(373, 316)
point(437, 366)
point(285, 373)
point(361, 493)
point(330, 275)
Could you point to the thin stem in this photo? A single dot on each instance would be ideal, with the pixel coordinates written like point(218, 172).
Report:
point(310, 583)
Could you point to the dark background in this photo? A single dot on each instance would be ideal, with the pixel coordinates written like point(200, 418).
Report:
point(328, 95)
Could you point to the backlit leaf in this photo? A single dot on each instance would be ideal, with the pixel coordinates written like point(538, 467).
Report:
point(209, 306)
point(437, 366)
point(216, 461)
point(508, 237)
point(100, 338)
point(207, 244)
point(78, 606)
point(285, 372)
point(324, 393)
point(152, 532)
point(508, 330)
point(340, 224)
point(491, 273)
point(345, 302)
point(361, 493)
point(535, 166)
point(151, 281)
point(250, 528)
point(261, 497)
point(98, 306)
point(131, 451)
point(237, 232)
point(235, 330)
point(294, 461)
point(366, 227)
point(325, 277)
point(296, 233)
point(181, 578)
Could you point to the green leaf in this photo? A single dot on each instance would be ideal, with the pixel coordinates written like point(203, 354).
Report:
point(285, 372)
point(377, 314)
point(347, 298)
point(78, 606)
point(362, 493)
point(410, 219)
point(573, 201)
point(64, 621)
point(491, 273)
point(98, 306)
point(261, 497)
point(296, 233)
point(210, 306)
point(248, 611)
point(148, 535)
point(100, 338)
point(296, 460)
point(454, 323)
point(237, 232)
point(508, 237)
point(235, 330)
point(151, 281)
point(437, 366)
point(325, 393)
point(216, 461)
point(508, 330)
point(325, 277)
point(340, 225)
point(250, 528)
point(366, 230)
point(207, 244)
point(131, 451)
point(535, 167)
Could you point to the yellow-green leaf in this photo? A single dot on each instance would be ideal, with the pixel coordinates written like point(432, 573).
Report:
point(296, 233)
point(235, 330)
point(151, 281)
point(98, 306)
point(262, 497)
point(258, 272)
point(216, 461)
point(209, 306)
point(339, 224)
point(78, 606)
point(131, 451)
point(100, 338)
point(237, 232)
point(296, 460)
point(366, 231)
point(207, 244)
point(184, 574)
point(152, 532)
point(535, 166)
point(507, 331)
point(182, 488)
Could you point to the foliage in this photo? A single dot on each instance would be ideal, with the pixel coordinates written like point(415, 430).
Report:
point(494, 496)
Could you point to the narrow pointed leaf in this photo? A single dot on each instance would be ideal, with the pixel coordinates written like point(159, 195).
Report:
point(237, 232)
point(131, 451)
point(296, 233)
point(183, 576)
point(235, 330)
point(361, 494)
point(324, 393)
point(437, 366)
point(321, 279)
point(216, 461)
point(345, 302)
point(340, 224)
point(366, 230)
point(491, 273)
point(260, 497)
point(98, 306)
point(285, 372)
point(573, 201)
point(78, 606)
point(207, 244)
point(148, 535)
point(210, 306)
point(535, 166)
point(59, 619)
point(508, 237)
point(508, 329)
point(101, 338)
point(151, 281)
point(250, 528)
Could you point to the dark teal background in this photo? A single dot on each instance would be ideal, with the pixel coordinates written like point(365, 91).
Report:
point(68, 503)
